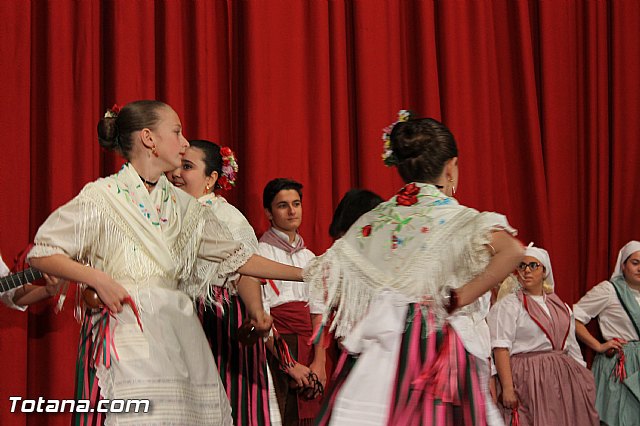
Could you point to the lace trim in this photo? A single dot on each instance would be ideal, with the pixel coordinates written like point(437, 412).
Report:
point(199, 278)
point(208, 275)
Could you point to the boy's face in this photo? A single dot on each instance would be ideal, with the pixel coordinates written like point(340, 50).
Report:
point(286, 211)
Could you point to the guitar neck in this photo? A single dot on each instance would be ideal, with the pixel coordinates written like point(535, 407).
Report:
point(16, 280)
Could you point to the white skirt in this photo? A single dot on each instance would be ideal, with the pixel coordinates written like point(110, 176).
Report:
point(169, 363)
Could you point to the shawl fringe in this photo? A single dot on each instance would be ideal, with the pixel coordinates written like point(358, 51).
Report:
point(451, 255)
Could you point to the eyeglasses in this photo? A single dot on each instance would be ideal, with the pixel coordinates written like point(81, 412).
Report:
point(532, 265)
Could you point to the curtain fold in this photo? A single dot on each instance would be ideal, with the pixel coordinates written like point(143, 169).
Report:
point(543, 98)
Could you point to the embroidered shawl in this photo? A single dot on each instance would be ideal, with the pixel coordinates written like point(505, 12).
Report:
point(417, 248)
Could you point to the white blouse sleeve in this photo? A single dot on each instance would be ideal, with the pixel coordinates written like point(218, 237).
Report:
point(502, 322)
point(571, 346)
point(238, 225)
point(594, 302)
point(65, 231)
point(218, 246)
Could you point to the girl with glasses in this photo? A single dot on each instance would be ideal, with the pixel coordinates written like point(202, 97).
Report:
point(543, 378)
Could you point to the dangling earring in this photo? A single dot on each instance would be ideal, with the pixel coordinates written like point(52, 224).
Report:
point(154, 151)
point(453, 188)
point(206, 189)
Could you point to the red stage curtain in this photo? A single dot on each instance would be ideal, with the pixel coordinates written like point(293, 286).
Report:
point(542, 96)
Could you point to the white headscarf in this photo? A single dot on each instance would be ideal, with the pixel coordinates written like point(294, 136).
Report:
point(542, 255)
point(624, 253)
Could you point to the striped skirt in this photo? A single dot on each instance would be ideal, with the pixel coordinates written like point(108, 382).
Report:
point(242, 368)
point(436, 381)
point(93, 343)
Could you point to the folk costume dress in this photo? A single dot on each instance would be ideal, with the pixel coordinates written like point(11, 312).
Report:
point(405, 361)
point(550, 378)
point(243, 369)
point(617, 307)
point(166, 249)
point(288, 304)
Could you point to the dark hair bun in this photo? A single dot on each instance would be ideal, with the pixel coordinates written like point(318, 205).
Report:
point(108, 133)
point(422, 147)
point(116, 128)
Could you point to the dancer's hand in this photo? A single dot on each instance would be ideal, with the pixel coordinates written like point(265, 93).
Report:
point(615, 344)
point(320, 370)
point(110, 292)
point(261, 321)
point(53, 284)
point(509, 398)
point(299, 374)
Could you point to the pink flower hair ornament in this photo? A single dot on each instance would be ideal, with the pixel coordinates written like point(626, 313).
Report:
point(227, 179)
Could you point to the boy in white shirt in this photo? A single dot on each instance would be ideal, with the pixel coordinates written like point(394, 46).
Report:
point(287, 301)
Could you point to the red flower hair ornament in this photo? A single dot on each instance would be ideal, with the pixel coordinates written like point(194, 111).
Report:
point(112, 112)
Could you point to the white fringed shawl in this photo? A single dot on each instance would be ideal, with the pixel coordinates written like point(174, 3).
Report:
point(416, 250)
point(117, 226)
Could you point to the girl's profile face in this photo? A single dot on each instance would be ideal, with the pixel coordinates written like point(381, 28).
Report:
point(168, 139)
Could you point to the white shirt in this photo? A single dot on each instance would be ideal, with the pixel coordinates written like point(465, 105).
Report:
point(7, 296)
point(290, 291)
point(228, 214)
point(472, 328)
point(238, 225)
point(512, 328)
point(602, 302)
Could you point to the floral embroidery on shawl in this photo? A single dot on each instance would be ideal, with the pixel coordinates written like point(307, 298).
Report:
point(417, 251)
point(392, 215)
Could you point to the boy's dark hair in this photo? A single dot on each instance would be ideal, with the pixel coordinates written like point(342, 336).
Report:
point(276, 185)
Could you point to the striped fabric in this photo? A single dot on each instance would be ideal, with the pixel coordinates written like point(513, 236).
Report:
point(93, 345)
point(242, 368)
point(343, 368)
point(437, 380)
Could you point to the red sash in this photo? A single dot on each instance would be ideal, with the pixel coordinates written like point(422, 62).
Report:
point(292, 318)
point(295, 318)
